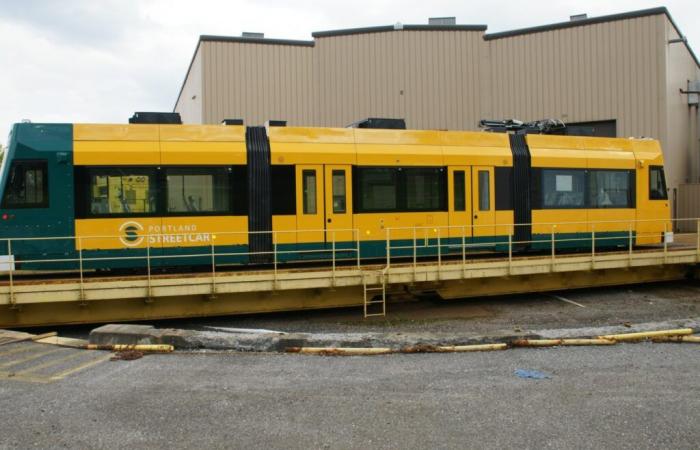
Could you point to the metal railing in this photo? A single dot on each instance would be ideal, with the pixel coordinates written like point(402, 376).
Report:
point(439, 243)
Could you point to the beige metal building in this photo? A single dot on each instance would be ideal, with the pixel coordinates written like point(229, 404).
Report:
point(619, 75)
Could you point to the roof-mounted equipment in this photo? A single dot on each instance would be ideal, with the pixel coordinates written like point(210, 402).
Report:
point(544, 126)
point(381, 123)
point(166, 118)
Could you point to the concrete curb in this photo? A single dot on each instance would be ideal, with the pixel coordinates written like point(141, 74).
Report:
point(264, 341)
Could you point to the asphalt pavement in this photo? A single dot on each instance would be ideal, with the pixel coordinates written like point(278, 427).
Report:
point(630, 396)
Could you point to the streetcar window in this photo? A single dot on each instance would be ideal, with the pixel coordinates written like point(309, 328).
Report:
point(283, 180)
point(609, 189)
point(563, 188)
point(657, 183)
point(198, 190)
point(459, 192)
point(424, 190)
point(27, 185)
point(339, 200)
point(308, 178)
point(122, 191)
point(377, 189)
point(484, 191)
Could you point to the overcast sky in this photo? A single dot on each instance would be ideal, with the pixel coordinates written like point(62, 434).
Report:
point(99, 61)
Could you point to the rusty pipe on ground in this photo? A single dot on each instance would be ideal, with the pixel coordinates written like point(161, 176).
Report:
point(146, 348)
point(625, 337)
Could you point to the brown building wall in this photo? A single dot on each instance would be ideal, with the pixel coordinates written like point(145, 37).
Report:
point(623, 69)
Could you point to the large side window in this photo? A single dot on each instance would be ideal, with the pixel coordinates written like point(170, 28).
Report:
point(27, 185)
point(424, 189)
point(657, 183)
point(484, 191)
point(377, 189)
point(198, 190)
point(283, 180)
point(122, 191)
point(609, 189)
point(563, 188)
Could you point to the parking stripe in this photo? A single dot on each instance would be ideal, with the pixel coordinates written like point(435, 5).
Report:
point(83, 366)
point(34, 355)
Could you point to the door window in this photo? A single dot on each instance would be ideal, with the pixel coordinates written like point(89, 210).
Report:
point(484, 191)
point(309, 191)
point(339, 198)
point(460, 203)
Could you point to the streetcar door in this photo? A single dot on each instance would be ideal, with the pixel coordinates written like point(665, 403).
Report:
point(309, 204)
point(459, 201)
point(483, 201)
point(338, 191)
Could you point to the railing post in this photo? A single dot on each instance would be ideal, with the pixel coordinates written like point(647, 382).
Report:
point(213, 267)
point(388, 247)
point(415, 254)
point(80, 269)
point(274, 260)
point(592, 246)
point(464, 251)
point(11, 265)
point(665, 243)
point(333, 251)
point(554, 246)
point(697, 236)
point(357, 249)
point(439, 245)
point(149, 294)
point(510, 252)
point(629, 245)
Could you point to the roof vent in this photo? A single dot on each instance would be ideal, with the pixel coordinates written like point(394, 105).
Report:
point(275, 123)
point(442, 21)
point(232, 122)
point(576, 17)
point(376, 122)
point(168, 118)
point(253, 35)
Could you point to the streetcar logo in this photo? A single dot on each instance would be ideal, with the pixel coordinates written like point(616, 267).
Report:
point(129, 234)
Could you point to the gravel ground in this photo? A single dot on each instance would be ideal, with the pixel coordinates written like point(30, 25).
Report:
point(632, 396)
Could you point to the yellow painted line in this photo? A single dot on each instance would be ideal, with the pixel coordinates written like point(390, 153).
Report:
point(30, 378)
point(91, 363)
point(30, 357)
point(53, 362)
point(18, 349)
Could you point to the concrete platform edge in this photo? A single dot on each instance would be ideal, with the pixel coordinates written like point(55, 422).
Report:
point(278, 341)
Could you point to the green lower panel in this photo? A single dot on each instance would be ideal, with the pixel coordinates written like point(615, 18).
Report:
point(229, 255)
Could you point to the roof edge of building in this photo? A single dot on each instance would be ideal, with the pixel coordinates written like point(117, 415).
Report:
point(251, 40)
point(386, 28)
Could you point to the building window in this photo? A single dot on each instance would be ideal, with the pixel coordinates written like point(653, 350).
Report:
point(609, 189)
point(563, 188)
point(339, 198)
point(27, 185)
point(657, 183)
point(460, 203)
point(198, 190)
point(124, 191)
point(377, 189)
point(309, 191)
point(424, 189)
point(484, 191)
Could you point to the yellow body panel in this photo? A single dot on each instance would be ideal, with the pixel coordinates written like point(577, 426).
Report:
point(311, 153)
point(372, 226)
point(139, 232)
point(283, 225)
point(116, 153)
point(399, 155)
point(202, 133)
point(116, 132)
point(202, 153)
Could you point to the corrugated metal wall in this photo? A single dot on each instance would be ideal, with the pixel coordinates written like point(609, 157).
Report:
point(688, 206)
point(622, 69)
point(257, 82)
